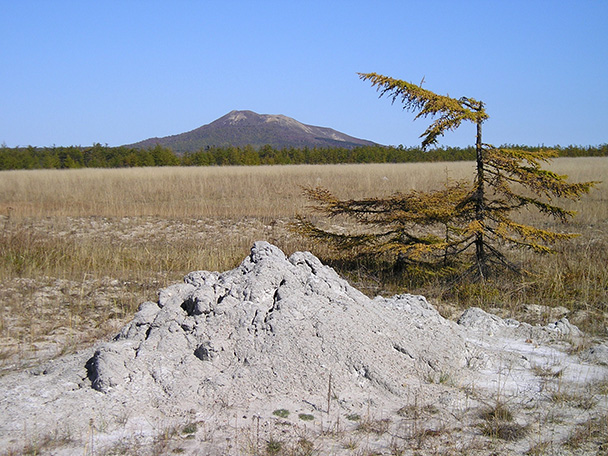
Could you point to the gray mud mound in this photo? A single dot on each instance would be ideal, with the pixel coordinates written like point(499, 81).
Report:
point(288, 334)
point(274, 326)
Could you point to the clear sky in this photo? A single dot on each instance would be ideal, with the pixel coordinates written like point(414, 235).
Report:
point(116, 72)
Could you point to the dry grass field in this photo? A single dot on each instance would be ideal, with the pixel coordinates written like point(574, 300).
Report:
point(81, 249)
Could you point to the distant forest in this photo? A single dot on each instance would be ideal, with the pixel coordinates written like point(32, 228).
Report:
point(98, 156)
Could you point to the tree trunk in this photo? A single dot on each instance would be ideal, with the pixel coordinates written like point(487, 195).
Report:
point(481, 261)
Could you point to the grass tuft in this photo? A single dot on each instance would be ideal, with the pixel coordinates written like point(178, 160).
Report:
point(374, 426)
point(190, 428)
point(282, 413)
point(498, 423)
point(594, 432)
point(503, 431)
point(273, 446)
point(574, 399)
point(499, 412)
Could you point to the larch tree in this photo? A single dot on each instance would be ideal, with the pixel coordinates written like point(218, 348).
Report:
point(474, 219)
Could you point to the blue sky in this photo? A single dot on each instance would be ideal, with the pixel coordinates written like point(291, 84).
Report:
point(116, 72)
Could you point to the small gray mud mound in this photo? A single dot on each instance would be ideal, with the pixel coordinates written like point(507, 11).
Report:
point(276, 326)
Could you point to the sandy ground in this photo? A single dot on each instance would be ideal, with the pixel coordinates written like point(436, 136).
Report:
point(281, 356)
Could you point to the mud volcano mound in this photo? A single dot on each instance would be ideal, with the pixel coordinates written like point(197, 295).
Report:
point(273, 326)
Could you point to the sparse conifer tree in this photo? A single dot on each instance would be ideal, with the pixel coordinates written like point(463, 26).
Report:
point(461, 219)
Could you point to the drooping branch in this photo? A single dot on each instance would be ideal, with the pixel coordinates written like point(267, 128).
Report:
point(452, 112)
point(405, 224)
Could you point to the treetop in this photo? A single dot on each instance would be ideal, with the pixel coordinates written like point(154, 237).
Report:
point(451, 111)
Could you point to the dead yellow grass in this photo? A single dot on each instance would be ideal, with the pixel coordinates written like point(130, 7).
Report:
point(224, 192)
point(233, 192)
point(80, 249)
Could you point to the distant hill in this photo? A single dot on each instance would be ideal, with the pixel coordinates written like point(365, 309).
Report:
point(240, 128)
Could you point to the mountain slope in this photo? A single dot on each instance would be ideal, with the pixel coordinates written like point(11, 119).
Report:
point(240, 128)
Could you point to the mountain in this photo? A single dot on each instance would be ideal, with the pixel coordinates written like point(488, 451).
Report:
point(240, 128)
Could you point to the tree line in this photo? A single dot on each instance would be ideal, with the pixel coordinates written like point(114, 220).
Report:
point(100, 156)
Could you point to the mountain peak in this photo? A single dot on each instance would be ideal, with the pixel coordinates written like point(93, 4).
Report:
point(243, 127)
point(239, 116)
